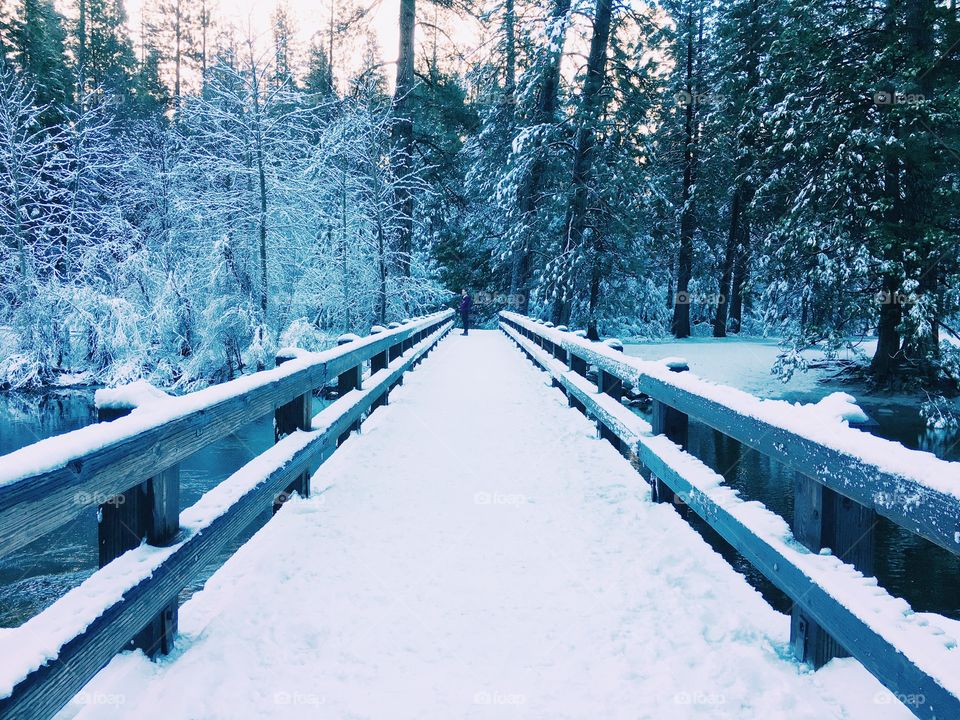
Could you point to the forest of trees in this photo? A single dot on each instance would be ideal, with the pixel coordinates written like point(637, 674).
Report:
point(178, 200)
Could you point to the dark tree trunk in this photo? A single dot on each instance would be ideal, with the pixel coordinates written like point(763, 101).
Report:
point(738, 237)
point(919, 181)
point(741, 270)
point(887, 357)
point(591, 102)
point(529, 194)
point(403, 133)
point(726, 269)
point(510, 72)
point(908, 185)
point(681, 301)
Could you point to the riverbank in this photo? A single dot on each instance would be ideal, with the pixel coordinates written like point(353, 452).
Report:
point(746, 363)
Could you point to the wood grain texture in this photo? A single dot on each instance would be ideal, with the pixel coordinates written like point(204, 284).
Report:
point(919, 508)
point(32, 506)
point(50, 687)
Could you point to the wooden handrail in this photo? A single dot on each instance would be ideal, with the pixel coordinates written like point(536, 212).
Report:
point(150, 579)
point(115, 457)
point(909, 500)
point(908, 654)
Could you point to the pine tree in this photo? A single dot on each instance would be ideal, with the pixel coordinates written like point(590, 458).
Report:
point(105, 58)
point(36, 40)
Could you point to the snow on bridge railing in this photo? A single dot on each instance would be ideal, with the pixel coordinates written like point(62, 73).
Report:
point(843, 476)
point(133, 597)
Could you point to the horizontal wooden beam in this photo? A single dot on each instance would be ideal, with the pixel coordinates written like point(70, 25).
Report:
point(150, 441)
point(49, 687)
point(909, 502)
point(912, 659)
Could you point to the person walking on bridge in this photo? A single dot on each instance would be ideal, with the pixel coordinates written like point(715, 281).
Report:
point(466, 303)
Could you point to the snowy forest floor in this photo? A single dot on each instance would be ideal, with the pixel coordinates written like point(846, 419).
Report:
point(746, 363)
point(476, 552)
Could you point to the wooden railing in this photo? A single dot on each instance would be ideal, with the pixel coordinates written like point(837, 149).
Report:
point(149, 550)
point(844, 478)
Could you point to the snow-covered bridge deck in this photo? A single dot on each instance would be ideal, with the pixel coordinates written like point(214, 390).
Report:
point(477, 552)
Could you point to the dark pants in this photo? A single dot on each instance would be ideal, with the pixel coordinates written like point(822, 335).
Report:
point(465, 317)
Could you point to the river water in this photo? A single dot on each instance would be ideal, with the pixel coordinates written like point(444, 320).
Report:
point(36, 575)
point(32, 578)
point(922, 573)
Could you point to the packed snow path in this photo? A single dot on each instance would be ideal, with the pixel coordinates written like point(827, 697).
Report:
point(476, 552)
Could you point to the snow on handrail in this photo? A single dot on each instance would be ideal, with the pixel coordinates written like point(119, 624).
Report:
point(915, 489)
point(55, 653)
point(910, 653)
point(51, 481)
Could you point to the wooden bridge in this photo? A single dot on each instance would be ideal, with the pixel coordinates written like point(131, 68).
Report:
point(477, 549)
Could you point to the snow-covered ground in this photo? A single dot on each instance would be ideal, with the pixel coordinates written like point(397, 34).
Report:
point(745, 363)
point(477, 553)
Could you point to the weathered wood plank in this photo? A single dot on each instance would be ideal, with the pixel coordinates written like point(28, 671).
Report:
point(919, 508)
point(288, 418)
point(854, 629)
point(668, 421)
point(148, 511)
point(32, 506)
point(825, 519)
point(47, 689)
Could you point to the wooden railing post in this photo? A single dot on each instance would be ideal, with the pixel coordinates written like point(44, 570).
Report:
point(377, 363)
point(294, 415)
point(558, 352)
point(148, 511)
point(822, 518)
point(395, 351)
point(612, 386)
point(579, 366)
point(350, 379)
point(675, 425)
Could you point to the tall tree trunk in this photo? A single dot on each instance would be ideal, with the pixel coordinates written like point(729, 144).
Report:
point(738, 237)
point(741, 271)
point(403, 132)
point(178, 38)
point(681, 302)
point(510, 40)
point(726, 269)
point(381, 308)
point(530, 189)
point(258, 147)
point(82, 54)
point(887, 357)
point(919, 182)
point(344, 269)
point(590, 111)
point(204, 29)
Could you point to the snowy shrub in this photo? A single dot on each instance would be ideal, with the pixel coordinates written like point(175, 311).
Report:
point(938, 414)
point(304, 334)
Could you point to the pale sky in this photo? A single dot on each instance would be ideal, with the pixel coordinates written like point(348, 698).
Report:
point(310, 16)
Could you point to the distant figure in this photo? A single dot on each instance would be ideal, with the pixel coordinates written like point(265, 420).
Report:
point(466, 302)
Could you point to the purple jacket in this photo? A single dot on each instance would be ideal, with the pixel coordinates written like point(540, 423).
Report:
point(466, 302)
